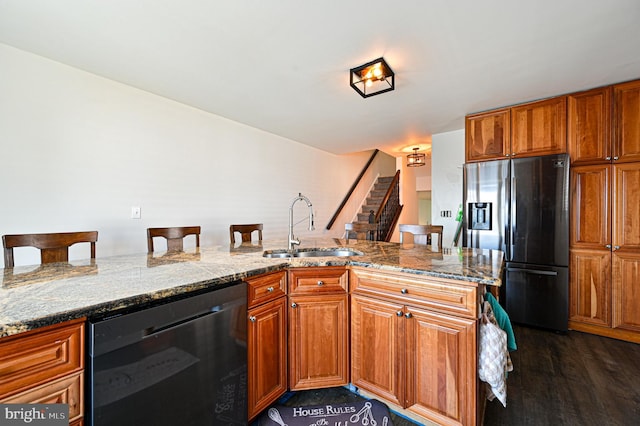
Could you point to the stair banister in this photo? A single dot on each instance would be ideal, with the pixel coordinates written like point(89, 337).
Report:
point(353, 188)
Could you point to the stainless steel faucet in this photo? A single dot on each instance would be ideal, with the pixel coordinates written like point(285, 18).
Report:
point(292, 239)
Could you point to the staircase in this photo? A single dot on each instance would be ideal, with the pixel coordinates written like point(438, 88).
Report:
point(375, 198)
point(374, 201)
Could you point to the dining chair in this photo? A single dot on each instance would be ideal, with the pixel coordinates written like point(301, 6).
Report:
point(174, 236)
point(54, 247)
point(421, 233)
point(245, 232)
point(363, 231)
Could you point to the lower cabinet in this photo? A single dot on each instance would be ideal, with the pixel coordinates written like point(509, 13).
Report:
point(318, 328)
point(411, 355)
point(266, 341)
point(45, 366)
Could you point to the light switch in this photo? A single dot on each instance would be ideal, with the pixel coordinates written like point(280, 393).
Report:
point(135, 212)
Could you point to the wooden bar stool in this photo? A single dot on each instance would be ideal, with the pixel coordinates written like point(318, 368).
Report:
point(245, 232)
point(422, 233)
point(54, 247)
point(363, 231)
point(174, 236)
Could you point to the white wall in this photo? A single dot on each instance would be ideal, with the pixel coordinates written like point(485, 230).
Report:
point(448, 158)
point(78, 151)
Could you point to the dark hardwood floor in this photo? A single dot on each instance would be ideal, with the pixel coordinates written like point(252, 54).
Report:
point(570, 379)
point(558, 379)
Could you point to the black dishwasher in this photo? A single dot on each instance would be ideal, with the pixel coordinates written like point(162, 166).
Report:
point(179, 363)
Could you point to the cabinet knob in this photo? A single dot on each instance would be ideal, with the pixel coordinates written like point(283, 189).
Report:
point(607, 158)
point(616, 247)
point(608, 246)
point(270, 289)
point(404, 291)
point(615, 158)
point(294, 305)
point(320, 283)
point(399, 313)
point(408, 315)
point(252, 318)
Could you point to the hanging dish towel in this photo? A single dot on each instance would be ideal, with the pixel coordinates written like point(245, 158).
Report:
point(492, 359)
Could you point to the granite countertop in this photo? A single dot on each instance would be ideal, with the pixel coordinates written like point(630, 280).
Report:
point(35, 296)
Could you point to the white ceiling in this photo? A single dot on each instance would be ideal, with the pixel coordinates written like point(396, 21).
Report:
point(283, 65)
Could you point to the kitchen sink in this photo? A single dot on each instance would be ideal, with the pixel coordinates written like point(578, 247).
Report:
point(312, 252)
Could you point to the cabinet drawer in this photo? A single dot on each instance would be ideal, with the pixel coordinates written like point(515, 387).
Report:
point(267, 287)
point(38, 356)
point(318, 280)
point(436, 294)
point(67, 390)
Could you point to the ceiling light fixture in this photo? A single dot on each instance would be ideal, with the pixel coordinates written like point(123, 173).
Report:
point(416, 159)
point(372, 78)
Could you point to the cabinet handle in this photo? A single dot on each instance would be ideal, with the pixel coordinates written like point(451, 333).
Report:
point(608, 246)
point(270, 289)
point(408, 315)
point(320, 283)
point(615, 158)
point(404, 291)
point(607, 158)
point(294, 305)
point(252, 318)
point(399, 313)
point(616, 248)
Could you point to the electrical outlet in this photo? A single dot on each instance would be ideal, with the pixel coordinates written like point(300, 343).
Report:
point(135, 212)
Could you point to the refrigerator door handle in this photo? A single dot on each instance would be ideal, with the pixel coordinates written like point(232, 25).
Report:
point(512, 215)
point(532, 271)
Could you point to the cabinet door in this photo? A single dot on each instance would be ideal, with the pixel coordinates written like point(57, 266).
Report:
point(590, 286)
point(539, 128)
point(267, 355)
point(589, 126)
point(318, 341)
point(487, 135)
point(590, 207)
point(626, 145)
point(441, 367)
point(626, 207)
point(376, 347)
point(626, 291)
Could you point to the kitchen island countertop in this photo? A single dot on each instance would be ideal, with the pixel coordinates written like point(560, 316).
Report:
point(36, 296)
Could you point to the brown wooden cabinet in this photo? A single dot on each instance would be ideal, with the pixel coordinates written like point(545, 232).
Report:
point(488, 135)
point(591, 207)
point(531, 129)
point(539, 128)
point(413, 343)
point(626, 113)
point(45, 366)
point(266, 340)
point(605, 250)
point(318, 327)
point(589, 126)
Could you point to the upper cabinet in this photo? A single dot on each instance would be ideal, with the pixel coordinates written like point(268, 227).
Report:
point(604, 124)
point(539, 128)
point(536, 128)
point(626, 138)
point(589, 126)
point(488, 135)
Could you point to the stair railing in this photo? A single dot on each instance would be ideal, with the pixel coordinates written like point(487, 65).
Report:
point(389, 211)
point(351, 190)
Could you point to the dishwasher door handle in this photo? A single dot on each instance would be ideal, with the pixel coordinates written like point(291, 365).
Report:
point(150, 331)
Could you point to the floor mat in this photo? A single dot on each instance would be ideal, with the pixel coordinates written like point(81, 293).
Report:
point(369, 412)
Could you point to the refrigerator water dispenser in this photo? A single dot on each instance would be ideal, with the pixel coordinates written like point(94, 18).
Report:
point(480, 215)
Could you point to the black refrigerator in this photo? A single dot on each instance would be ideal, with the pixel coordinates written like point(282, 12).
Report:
point(521, 206)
